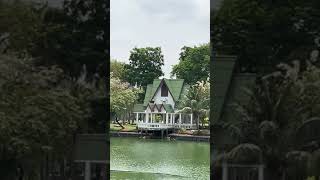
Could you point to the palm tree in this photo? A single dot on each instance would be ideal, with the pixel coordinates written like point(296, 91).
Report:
point(280, 103)
point(196, 101)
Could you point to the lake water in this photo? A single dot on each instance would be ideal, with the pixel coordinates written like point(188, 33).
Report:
point(134, 158)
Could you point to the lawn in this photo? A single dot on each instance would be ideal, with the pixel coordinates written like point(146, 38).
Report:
point(128, 127)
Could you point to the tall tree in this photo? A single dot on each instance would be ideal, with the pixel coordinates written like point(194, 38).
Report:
point(69, 36)
point(144, 66)
point(117, 69)
point(40, 112)
point(197, 101)
point(194, 63)
point(269, 123)
point(264, 33)
point(122, 97)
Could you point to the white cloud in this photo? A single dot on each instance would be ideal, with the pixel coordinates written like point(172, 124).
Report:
point(170, 24)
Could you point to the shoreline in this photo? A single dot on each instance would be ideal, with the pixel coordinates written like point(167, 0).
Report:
point(172, 136)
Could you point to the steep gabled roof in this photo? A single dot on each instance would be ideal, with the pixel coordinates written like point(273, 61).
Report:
point(168, 108)
point(148, 95)
point(138, 108)
point(228, 88)
point(223, 67)
point(175, 86)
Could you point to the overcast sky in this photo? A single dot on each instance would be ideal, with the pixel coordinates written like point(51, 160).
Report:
point(170, 24)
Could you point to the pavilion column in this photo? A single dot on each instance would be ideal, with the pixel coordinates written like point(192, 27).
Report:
point(137, 117)
point(147, 117)
point(179, 119)
point(151, 117)
point(261, 176)
point(191, 119)
point(224, 171)
point(172, 118)
point(87, 171)
point(167, 118)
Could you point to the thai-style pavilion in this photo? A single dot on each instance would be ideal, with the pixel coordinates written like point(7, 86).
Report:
point(160, 107)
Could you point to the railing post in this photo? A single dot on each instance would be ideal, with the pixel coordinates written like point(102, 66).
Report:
point(147, 117)
point(224, 171)
point(87, 171)
point(261, 176)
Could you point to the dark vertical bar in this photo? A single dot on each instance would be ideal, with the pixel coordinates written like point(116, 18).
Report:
point(211, 92)
point(107, 40)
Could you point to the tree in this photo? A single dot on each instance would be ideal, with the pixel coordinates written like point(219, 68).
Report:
point(122, 97)
point(69, 36)
point(197, 101)
point(117, 69)
point(264, 33)
point(144, 66)
point(20, 26)
point(269, 122)
point(43, 102)
point(194, 64)
point(39, 115)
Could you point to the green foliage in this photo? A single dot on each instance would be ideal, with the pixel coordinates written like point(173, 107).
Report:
point(158, 118)
point(20, 26)
point(117, 69)
point(182, 131)
point(205, 120)
point(39, 111)
point(145, 65)
point(264, 33)
point(268, 120)
point(245, 154)
point(194, 64)
point(43, 103)
point(122, 96)
point(57, 36)
point(197, 101)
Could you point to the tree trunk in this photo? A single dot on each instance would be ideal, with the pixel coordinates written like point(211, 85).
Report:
point(119, 123)
point(197, 122)
point(128, 117)
point(202, 125)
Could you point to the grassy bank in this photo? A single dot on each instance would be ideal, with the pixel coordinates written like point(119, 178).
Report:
point(127, 127)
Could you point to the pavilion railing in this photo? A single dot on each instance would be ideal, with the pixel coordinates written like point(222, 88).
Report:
point(142, 125)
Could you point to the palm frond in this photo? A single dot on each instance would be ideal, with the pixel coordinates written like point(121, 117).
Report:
point(245, 153)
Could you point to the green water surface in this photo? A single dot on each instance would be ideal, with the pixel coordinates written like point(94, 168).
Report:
point(148, 159)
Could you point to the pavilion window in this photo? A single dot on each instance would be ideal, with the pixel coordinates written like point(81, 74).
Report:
point(164, 91)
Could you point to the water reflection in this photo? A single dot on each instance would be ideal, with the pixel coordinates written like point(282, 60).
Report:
point(133, 158)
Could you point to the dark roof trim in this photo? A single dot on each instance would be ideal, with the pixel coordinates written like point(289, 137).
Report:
point(155, 105)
